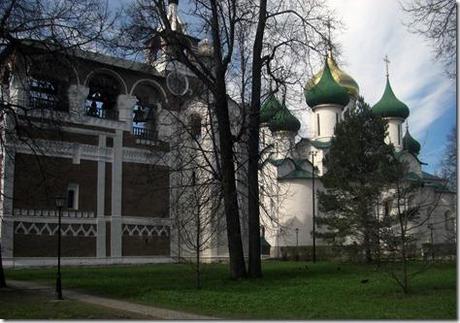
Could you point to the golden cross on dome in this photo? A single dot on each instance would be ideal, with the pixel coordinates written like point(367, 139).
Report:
point(387, 61)
point(328, 25)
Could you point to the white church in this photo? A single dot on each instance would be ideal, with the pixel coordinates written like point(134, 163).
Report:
point(289, 203)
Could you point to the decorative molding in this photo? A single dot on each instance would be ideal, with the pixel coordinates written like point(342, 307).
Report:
point(134, 155)
point(74, 117)
point(146, 221)
point(70, 229)
point(48, 219)
point(86, 152)
point(63, 149)
point(53, 213)
point(145, 230)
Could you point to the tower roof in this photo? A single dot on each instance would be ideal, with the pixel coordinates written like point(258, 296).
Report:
point(269, 108)
point(284, 120)
point(389, 105)
point(410, 144)
point(326, 91)
point(339, 76)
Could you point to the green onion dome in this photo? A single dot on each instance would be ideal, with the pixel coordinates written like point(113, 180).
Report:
point(283, 120)
point(390, 106)
point(410, 144)
point(326, 91)
point(270, 107)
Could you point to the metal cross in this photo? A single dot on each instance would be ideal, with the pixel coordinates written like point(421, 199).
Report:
point(329, 26)
point(387, 61)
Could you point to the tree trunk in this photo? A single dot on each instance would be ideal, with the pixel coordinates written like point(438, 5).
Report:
point(255, 265)
point(232, 215)
point(2, 273)
point(235, 245)
point(404, 263)
point(367, 246)
point(198, 278)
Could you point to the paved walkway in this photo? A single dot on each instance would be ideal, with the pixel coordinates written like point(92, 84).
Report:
point(153, 312)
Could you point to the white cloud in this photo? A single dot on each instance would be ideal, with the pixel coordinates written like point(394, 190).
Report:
point(374, 29)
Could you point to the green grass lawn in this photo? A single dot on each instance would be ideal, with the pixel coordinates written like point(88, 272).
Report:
point(289, 290)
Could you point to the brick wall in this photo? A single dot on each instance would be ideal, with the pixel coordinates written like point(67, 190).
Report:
point(145, 190)
point(145, 246)
point(38, 180)
point(46, 246)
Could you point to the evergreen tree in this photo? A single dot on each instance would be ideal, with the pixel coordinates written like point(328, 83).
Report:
point(357, 167)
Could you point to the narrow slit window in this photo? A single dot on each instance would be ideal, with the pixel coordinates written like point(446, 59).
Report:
point(72, 196)
point(399, 134)
point(318, 124)
point(195, 125)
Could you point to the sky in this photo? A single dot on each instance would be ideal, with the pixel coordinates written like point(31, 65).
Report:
point(373, 29)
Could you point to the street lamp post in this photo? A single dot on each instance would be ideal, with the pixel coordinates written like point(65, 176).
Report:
point(59, 204)
point(313, 154)
point(297, 244)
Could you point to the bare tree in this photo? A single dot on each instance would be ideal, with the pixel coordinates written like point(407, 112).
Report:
point(250, 43)
point(292, 29)
point(408, 207)
point(436, 20)
point(198, 221)
point(150, 18)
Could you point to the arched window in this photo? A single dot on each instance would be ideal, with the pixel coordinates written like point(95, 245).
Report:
point(145, 112)
point(195, 125)
point(44, 94)
point(48, 82)
point(102, 98)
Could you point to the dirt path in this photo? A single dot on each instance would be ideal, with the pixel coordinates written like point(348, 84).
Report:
point(118, 305)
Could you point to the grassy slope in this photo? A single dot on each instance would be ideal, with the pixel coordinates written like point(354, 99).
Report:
point(288, 290)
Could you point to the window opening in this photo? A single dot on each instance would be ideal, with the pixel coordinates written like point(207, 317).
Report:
point(195, 125)
point(72, 196)
point(317, 119)
point(44, 94)
point(102, 97)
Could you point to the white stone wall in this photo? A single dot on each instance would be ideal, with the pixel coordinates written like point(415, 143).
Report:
point(328, 119)
point(283, 142)
point(394, 135)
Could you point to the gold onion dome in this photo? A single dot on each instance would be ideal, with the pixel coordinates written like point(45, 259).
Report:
point(339, 76)
point(326, 91)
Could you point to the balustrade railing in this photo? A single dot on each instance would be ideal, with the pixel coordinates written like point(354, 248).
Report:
point(53, 212)
point(144, 133)
point(102, 113)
